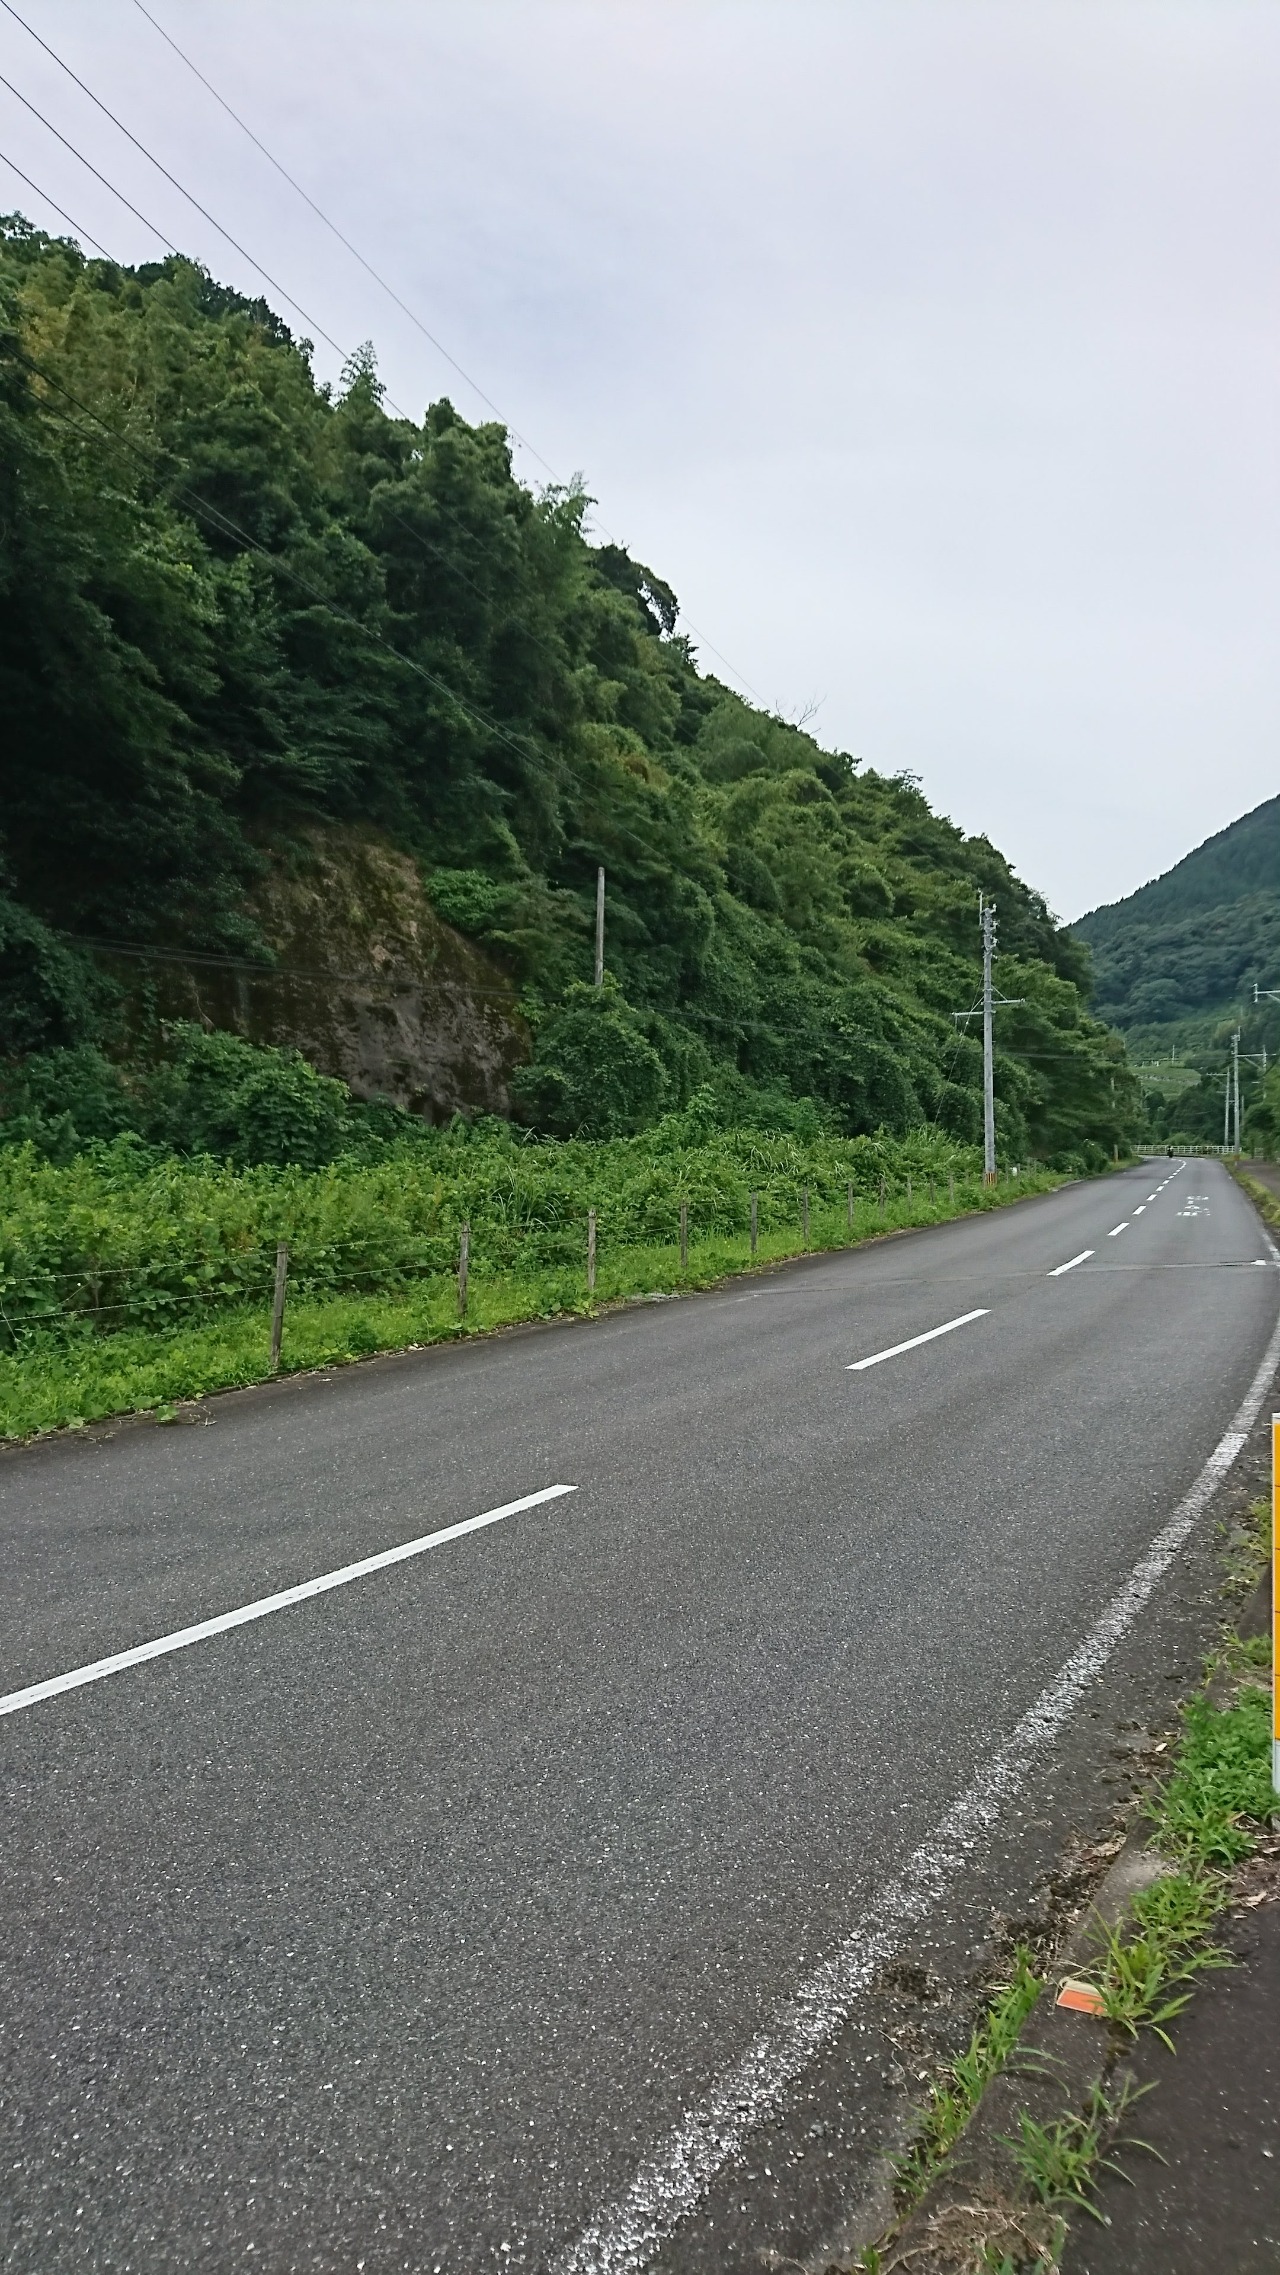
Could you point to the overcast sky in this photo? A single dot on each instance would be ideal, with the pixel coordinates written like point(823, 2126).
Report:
point(928, 350)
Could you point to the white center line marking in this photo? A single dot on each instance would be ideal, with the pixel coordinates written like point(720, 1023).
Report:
point(913, 1341)
point(1141, 1206)
point(182, 1636)
point(1059, 1269)
point(1118, 1228)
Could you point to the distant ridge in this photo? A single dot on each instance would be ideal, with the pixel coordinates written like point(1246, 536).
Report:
point(1180, 955)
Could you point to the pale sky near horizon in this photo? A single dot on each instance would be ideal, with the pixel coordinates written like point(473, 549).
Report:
point(928, 348)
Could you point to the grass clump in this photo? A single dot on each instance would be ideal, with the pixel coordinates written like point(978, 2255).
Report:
point(1158, 1949)
point(954, 2097)
point(1221, 1789)
point(1059, 2163)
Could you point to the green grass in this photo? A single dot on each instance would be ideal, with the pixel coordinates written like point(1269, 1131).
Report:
point(1220, 1790)
point(954, 2096)
point(1151, 1960)
point(1059, 2163)
point(195, 1339)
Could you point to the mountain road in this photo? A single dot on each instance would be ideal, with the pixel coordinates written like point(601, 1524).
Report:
point(469, 1911)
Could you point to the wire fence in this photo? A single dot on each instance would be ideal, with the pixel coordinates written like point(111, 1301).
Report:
point(100, 1295)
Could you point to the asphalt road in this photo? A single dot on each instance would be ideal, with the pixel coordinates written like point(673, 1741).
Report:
point(397, 1929)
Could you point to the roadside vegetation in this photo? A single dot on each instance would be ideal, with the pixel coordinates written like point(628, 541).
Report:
point(132, 1277)
point(242, 608)
point(1207, 1815)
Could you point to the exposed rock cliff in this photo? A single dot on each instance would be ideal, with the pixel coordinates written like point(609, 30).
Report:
point(370, 984)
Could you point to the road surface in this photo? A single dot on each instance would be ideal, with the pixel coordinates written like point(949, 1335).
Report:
point(441, 1919)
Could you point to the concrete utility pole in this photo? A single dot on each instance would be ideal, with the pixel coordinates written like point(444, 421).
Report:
point(1235, 1085)
point(991, 1003)
point(987, 919)
point(599, 927)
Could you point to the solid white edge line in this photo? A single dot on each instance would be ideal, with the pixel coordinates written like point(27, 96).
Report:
point(99, 1669)
point(913, 1341)
point(1059, 1269)
point(623, 2239)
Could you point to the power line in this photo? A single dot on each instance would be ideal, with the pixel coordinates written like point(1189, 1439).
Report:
point(244, 252)
point(437, 503)
point(58, 209)
point(134, 210)
point(201, 959)
point(150, 156)
point(354, 250)
point(224, 523)
point(338, 349)
point(380, 280)
point(408, 527)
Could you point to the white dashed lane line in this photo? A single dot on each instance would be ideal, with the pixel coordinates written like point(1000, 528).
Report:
point(1118, 1228)
point(913, 1342)
point(1059, 1269)
point(182, 1637)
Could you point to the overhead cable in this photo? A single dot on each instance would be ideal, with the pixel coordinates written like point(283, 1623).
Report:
point(354, 250)
point(58, 209)
point(150, 155)
point(419, 538)
point(390, 290)
point(134, 210)
point(223, 522)
point(245, 254)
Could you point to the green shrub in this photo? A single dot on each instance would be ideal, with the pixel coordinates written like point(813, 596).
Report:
point(595, 1073)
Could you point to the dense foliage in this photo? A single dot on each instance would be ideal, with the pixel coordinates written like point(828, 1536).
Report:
point(1180, 957)
point(130, 1277)
point(122, 1233)
point(236, 602)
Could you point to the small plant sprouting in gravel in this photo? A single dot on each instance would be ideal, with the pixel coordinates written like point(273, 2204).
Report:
point(1060, 2162)
point(955, 2095)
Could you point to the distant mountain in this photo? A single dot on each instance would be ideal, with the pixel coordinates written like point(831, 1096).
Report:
point(1177, 958)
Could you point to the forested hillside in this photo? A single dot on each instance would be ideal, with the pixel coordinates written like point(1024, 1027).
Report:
point(1180, 957)
point(241, 610)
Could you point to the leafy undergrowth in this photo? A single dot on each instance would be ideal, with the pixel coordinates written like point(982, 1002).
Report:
point(130, 1284)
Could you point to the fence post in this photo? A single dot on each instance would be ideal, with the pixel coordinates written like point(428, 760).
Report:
point(908, 1192)
point(464, 1258)
point(755, 1223)
point(277, 1308)
point(591, 1251)
point(933, 1198)
point(851, 1204)
point(684, 1236)
point(951, 1188)
point(882, 1196)
point(804, 1212)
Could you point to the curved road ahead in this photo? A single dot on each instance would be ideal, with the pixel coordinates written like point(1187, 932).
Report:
point(444, 1919)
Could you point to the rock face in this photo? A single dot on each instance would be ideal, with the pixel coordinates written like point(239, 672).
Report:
point(371, 985)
